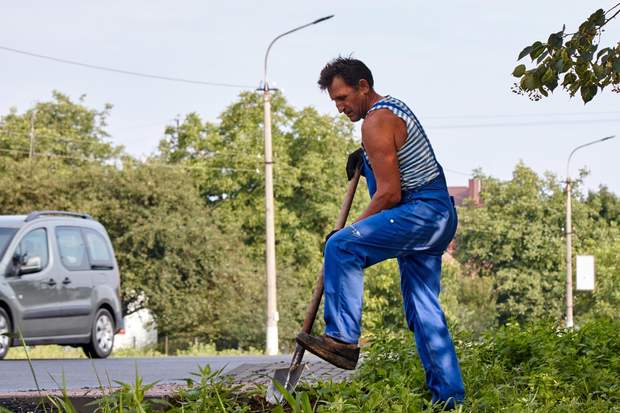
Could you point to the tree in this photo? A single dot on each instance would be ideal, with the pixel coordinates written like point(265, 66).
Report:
point(604, 301)
point(517, 240)
point(605, 204)
point(173, 259)
point(59, 128)
point(577, 61)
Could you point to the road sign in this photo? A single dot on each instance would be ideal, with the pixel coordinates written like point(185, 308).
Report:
point(585, 272)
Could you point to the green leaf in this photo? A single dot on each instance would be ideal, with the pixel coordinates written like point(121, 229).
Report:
point(519, 71)
point(616, 64)
point(581, 69)
point(528, 81)
point(561, 65)
point(605, 50)
point(552, 84)
point(566, 55)
point(537, 49)
point(549, 76)
point(569, 79)
point(524, 52)
point(542, 56)
point(588, 92)
point(597, 18)
point(599, 71)
point(555, 40)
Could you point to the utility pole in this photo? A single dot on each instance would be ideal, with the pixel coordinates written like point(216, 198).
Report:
point(569, 233)
point(32, 116)
point(270, 238)
point(569, 256)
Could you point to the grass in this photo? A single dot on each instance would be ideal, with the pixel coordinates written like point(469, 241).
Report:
point(537, 368)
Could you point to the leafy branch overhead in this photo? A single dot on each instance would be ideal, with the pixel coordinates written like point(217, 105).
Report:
point(577, 64)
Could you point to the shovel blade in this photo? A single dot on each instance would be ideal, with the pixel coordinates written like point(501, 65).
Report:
point(288, 379)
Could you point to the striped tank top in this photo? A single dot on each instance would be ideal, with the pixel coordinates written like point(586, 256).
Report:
point(416, 159)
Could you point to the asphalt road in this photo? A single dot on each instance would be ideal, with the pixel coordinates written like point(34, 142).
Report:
point(15, 375)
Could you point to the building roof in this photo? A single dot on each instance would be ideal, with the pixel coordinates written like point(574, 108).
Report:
point(460, 193)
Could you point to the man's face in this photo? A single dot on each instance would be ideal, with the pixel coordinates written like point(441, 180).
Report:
point(349, 100)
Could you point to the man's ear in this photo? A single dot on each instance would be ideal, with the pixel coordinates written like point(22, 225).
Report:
point(363, 86)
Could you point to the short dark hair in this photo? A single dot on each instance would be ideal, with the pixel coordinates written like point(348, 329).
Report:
point(351, 71)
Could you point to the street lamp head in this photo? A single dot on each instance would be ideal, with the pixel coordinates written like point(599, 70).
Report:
point(323, 19)
point(284, 34)
point(583, 146)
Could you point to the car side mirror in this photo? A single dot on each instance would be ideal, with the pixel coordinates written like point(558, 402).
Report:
point(32, 264)
point(12, 269)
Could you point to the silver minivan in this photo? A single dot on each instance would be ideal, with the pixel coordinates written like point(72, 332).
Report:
point(59, 283)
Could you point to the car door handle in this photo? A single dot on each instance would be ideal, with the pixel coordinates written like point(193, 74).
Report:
point(51, 282)
point(66, 281)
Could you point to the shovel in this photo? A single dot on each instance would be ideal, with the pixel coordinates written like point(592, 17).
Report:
point(288, 377)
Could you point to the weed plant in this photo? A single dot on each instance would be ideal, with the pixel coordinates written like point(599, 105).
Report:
point(539, 368)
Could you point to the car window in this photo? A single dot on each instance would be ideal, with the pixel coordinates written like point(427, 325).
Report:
point(72, 248)
point(34, 244)
point(6, 235)
point(97, 248)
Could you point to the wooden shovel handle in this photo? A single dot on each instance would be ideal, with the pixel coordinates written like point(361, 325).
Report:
point(313, 307)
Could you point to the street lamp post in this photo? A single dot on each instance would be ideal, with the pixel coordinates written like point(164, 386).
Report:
point(270, 239)
point(569, 246)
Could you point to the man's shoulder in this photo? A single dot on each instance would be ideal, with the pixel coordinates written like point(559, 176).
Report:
point(389, 101)
point(393, 104)
point(380, 117)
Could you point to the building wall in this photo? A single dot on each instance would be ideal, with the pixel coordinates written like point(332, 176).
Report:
point(471, 191)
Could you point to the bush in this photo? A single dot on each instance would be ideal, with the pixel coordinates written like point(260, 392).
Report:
point(536, 368)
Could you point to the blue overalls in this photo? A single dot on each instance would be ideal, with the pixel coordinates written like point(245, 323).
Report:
point(416, 232)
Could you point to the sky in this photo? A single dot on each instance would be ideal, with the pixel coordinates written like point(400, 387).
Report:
point(451, 62)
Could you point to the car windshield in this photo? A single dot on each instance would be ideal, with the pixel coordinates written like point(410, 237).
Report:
point(6, 235)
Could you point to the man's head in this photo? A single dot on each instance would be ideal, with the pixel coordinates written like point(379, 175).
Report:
point(349, 83)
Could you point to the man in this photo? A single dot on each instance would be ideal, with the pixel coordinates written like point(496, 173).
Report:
point(410, 217)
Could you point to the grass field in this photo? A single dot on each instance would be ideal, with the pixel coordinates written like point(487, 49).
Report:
point(537, 368)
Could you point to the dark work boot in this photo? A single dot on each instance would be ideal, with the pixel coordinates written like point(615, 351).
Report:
point(339, 354)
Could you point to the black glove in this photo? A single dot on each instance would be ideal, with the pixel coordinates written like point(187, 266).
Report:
point(327, 237)
point(355, 161)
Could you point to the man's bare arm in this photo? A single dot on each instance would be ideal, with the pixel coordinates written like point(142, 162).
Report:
point(378, 136)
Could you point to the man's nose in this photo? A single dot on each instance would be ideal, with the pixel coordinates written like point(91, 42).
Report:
point(340, 108)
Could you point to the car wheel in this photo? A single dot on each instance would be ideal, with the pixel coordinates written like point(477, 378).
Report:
point(5, 330)
point(101, 335)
